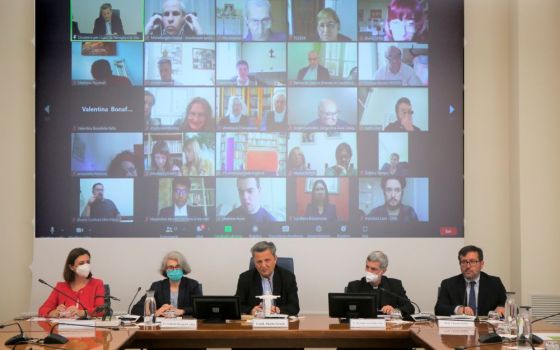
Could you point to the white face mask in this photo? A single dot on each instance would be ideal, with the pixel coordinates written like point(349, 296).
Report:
point(83, 270)
point(372, 277)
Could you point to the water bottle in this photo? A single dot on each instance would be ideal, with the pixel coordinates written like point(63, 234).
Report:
point(149, 308)
point(510, 314)
point(524, 325)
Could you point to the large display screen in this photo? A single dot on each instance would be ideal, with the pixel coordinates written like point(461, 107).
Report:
point(258, 118)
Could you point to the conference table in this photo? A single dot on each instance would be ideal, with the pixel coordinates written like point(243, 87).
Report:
point(311, 331)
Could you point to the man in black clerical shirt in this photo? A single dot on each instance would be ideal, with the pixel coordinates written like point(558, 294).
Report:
point(390, 292)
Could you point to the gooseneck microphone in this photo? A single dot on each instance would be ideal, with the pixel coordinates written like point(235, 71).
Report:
point(108, 296)
point(18, 338)
point(401, 298)
point(134, 297)
point(68, 296)
point(490, 337)
point(545, 317)
point(53, 338)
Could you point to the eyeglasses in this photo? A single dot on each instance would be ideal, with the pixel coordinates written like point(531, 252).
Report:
point(468, 262)
point(176, 267)
point(181, 191)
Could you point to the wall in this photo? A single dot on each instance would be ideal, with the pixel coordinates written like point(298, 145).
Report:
point(511, 192)
point(536, 126)
point(18, 139)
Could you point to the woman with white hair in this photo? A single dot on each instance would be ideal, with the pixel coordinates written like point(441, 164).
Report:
point(174, 293)
point(236, 114)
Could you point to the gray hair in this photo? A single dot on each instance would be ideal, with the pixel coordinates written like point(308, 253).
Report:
point(262, 246)
point(379, 256)
point(180, 258)
point(181, 5)
point(256, 3)
point(388, 50)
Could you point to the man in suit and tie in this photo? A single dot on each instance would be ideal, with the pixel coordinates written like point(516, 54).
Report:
point(386, 288)
point(472, 292)
point(107, 23)
point(180, 208)
point(267, 277)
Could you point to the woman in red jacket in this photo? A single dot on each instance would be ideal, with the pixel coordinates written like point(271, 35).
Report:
point(78, 291)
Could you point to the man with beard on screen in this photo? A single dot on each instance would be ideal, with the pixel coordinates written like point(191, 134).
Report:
point(99, 207)
point(393, 210)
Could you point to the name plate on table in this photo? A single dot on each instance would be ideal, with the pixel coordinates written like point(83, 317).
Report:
point(456, 331)
point(270, 323)
point(357, 323)
point(179, 323)
point(455, 324)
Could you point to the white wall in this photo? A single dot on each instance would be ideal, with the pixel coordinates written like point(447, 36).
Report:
point(321, 265)
point(511, 171)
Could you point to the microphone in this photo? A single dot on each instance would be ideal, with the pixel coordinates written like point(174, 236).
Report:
point(69, 297)
point(544, 318)
point(490, 337)
point(108, 296)
point(406, 315)
point(535, 339)
point(128, 317)
point(53, 338)
point(16, 339)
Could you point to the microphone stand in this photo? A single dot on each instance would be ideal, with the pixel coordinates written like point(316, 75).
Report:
point(406, 315)
point(490, 337)
point(53, 338)
point(16, 339)
point(128, 316)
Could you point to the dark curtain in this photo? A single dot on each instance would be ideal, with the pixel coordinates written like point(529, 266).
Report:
point(303, 13)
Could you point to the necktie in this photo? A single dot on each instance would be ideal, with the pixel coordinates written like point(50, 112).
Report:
point(472, 297)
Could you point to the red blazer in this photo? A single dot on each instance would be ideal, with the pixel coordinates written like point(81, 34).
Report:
point(91, 296)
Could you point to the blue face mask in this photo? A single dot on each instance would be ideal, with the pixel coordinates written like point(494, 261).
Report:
point(175, 275)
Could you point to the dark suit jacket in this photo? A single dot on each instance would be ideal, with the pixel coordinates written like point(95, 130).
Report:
point(271, 125)
point(116, 25)
point(192, 212)
point(491, 294)
point(322, 73)
point(392, 285)
point(283, 283)
point(187, 289)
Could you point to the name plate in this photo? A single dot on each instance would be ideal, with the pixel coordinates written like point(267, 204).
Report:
point(456, 331)
point(455, 324)
point(179, 323)
point(270, 323)
point(76, 324)
point(357, 323)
